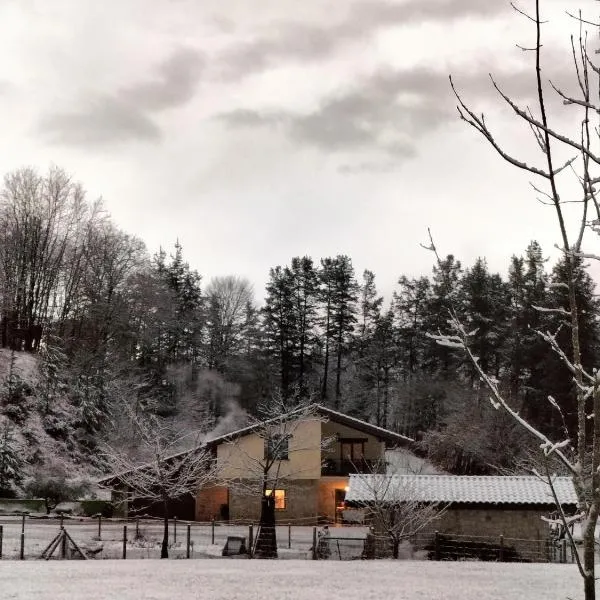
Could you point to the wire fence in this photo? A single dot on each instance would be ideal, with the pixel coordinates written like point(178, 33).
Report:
point(440, 546)
point(26, 537)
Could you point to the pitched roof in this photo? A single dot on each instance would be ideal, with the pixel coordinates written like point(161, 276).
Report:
point(375, 430)
point(319, 411)
point(461, 489)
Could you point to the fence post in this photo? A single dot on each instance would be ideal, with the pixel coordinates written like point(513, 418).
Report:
point(137, 528)
point(437, 545)
point(124, 541)
point(289, 535)
point(212, 538)
point(188, 540)
point(1, 538)
point(174, 530)
point(63, 544)
point(314, 546)
point(501, 548)
point(563, 551)
point(22, 550)
point(99, 526)
point(250, 539)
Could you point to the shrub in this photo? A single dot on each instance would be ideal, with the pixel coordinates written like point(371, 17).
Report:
point(53, 488)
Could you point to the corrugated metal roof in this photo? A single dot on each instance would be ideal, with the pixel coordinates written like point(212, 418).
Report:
point(459, 489)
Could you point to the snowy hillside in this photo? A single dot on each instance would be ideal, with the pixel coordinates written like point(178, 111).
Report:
point(39, 430)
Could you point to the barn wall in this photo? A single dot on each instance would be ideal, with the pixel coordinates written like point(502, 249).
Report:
point(522, 527)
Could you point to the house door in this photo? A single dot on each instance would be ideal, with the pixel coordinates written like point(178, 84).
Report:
point(340, 496)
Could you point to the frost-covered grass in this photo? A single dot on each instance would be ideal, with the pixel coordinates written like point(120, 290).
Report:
point(226, 579)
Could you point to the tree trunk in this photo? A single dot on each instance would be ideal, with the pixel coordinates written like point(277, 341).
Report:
point(395, 548)
point(589, 587)
point(164, 549)
point(266, 542)
point(588, 559)
point(325, 365)
point(338, 375)
point(386, 396)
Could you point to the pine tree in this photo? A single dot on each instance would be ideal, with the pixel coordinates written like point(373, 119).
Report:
point(444, 290)
point(304, 281)
point(525, 349)
point(11, 461)
point(339, 295)
point(483, 302)
point(411, 303)
point(364, 389)
point(280, 326)
point(185, 338)
point(383, 355)
point(557, 381)
point(370, 309)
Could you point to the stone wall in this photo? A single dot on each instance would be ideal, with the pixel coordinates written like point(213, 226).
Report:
point(521, 527)
point(302, 500)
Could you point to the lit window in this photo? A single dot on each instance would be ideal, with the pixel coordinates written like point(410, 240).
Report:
point(279, 498)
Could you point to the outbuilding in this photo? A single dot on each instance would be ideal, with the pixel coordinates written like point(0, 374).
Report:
point(474, 507)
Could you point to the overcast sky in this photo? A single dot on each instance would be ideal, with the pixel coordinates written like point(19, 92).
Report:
point(259, 130)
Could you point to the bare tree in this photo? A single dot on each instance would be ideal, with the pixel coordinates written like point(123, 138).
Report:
point(38, 217)
point(164, 467)
point(277, 424)
point(564, 159)
point(228, 301)
point(393, 503)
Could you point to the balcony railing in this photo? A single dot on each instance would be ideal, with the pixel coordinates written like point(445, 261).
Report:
point(346, 467)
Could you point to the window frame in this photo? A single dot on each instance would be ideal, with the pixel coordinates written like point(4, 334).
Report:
point(352, 442)
point(282, 495)
point(277, 447)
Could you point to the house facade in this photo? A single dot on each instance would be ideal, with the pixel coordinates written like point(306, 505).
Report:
point(310, 476)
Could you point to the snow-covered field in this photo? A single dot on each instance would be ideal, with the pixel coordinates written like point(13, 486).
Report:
point(227, 579)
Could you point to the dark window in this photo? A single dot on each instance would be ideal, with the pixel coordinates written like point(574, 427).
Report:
point(277, 447)
point(352, 450)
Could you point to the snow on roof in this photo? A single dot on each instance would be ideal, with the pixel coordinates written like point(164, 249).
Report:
point(318, 410)
point(459, 489)
point(362, 425)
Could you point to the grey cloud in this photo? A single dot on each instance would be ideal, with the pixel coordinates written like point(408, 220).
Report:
point(385, 115)
point(368, 167)
point(127, 114)
point(304, 42)
point(103, 122)
point(175, 84)
point(249, 118)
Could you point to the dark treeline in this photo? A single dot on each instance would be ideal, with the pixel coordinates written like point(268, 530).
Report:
point(113, 325)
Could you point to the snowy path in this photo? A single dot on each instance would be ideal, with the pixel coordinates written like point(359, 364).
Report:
point(224, 579)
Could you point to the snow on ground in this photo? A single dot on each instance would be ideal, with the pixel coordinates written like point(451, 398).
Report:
point(227, 579)
point(40, 532)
